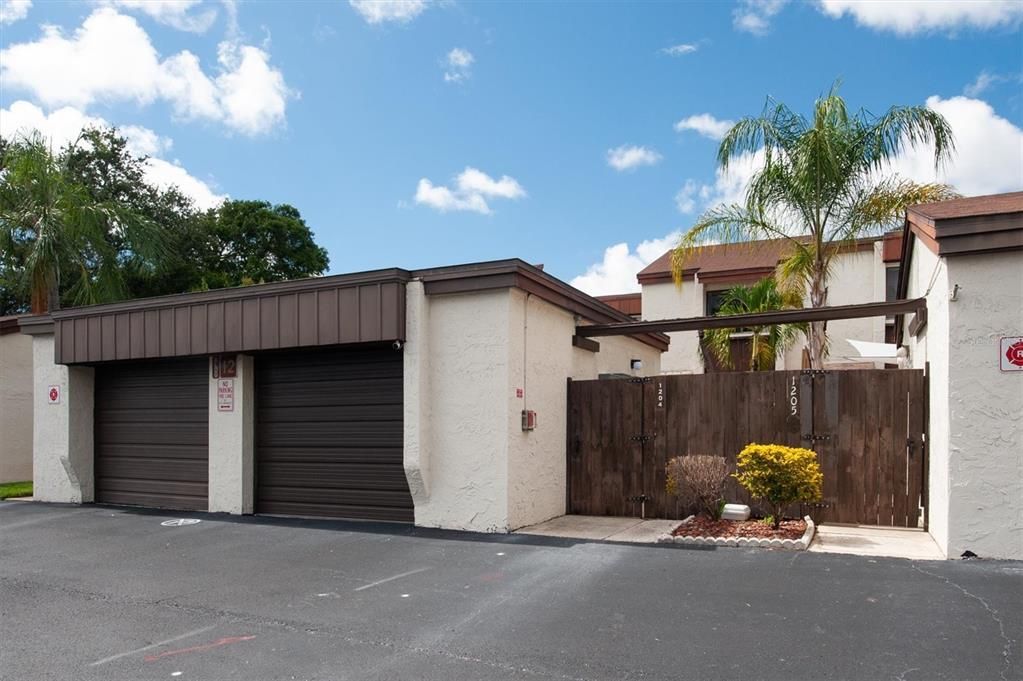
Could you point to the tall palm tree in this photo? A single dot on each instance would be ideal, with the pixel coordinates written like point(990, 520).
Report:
point(52, 230)
point(766, 342)
point(822, 185)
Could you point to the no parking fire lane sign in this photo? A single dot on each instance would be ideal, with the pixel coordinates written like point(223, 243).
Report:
point(1010, 353)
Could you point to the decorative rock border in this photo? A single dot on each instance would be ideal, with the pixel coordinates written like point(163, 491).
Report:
point(800, 544)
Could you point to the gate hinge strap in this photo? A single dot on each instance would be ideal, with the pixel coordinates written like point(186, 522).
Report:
point(641, 438)
point(815, 438)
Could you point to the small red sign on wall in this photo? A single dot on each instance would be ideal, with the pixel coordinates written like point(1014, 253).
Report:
point(53, 394)
point(1010, 353)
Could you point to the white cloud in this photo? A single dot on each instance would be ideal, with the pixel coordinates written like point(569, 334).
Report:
point(145, 142)
point(13, 10)
point(679, 50)
point(111, 58)
point(171, 174)
point(174, 13)
point(458, 65)
point(706, 125)
point(754, 16)
point(630, 157)
point(472, 189)
point(906, 17)
point(63, 126)
point(685, 199)
point(616, 272)
point(380, 11)
point(252, 94)
point(989, 150)
point(983, 81)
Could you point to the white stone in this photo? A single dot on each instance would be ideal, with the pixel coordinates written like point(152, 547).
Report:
point(735, 512)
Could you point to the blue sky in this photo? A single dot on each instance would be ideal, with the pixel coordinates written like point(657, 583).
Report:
point(366, 116)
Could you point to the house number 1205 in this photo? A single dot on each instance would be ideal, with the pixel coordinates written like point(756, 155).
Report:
point(794, 397)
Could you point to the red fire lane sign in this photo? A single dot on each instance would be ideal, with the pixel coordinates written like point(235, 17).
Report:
point(1010, 353)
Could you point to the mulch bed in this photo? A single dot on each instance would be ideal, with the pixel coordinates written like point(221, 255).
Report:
point(701, 526)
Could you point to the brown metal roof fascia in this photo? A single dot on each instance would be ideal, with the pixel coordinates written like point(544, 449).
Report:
point(968, 234)
point(664, 277)
point(756, 319)
point(519, 274)
point(343, 309)
point(238, 292)
point(9, 325)
point(35, 324)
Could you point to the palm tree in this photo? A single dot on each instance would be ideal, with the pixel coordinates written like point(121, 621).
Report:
point(767, 342)
point(822, 185)
point(52, 230)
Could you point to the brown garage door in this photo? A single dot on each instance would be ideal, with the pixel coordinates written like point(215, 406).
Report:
point(152, 434)
point(329, 435)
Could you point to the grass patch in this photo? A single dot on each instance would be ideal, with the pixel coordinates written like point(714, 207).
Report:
point(9, 490)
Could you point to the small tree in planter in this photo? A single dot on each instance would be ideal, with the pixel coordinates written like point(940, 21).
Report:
point(699, 480)
point(779, 475)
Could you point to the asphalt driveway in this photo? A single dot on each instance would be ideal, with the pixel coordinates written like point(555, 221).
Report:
point(102, 593)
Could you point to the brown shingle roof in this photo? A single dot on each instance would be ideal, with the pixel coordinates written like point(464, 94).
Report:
point(738, 262)
point(992, 204)
point(629, 303)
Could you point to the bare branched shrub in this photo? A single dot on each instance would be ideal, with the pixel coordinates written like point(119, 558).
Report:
point(699, 480)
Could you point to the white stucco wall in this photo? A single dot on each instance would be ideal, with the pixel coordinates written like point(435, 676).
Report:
point(985, 512)
point(668, 301)
point(541, 357)
point(231, 441)
point(465, 379)
point(469, 464)
point(62, 460)
point(15, 407)
point(928, 277)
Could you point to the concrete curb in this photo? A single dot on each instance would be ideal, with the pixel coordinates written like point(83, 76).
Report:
point(800, 544)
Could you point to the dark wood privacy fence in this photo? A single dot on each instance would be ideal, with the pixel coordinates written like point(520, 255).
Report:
point(867, 427)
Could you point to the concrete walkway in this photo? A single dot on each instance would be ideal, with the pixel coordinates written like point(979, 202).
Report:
point(634, 530)
point(866, 540)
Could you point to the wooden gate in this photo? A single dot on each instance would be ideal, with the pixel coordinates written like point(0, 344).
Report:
point(867, 427)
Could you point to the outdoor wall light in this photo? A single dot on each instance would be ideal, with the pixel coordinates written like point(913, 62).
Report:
point(636, 364)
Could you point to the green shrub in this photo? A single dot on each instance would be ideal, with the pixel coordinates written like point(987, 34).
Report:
point(699, 480)
point(779, 475)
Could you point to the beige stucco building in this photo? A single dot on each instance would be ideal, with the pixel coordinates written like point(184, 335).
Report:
point(15, 403)
point(387, 395)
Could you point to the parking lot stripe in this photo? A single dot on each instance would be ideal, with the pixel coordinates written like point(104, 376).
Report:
point(390, 579)
point(118, 656)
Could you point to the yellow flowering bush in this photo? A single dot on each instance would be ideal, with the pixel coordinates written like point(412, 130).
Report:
point(779, 475)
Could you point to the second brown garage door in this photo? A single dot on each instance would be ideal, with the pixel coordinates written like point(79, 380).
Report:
point(151, 434)
point(329, 435)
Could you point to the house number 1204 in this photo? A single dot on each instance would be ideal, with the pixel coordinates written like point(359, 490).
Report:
point(660, 395)
point(794, 397)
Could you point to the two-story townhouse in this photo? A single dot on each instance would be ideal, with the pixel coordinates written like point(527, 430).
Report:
point(864, 271)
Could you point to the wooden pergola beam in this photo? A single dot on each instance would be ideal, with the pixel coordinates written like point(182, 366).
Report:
point(806, 314)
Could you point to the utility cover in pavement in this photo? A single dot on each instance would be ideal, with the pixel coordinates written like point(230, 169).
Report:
point(180, 522)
